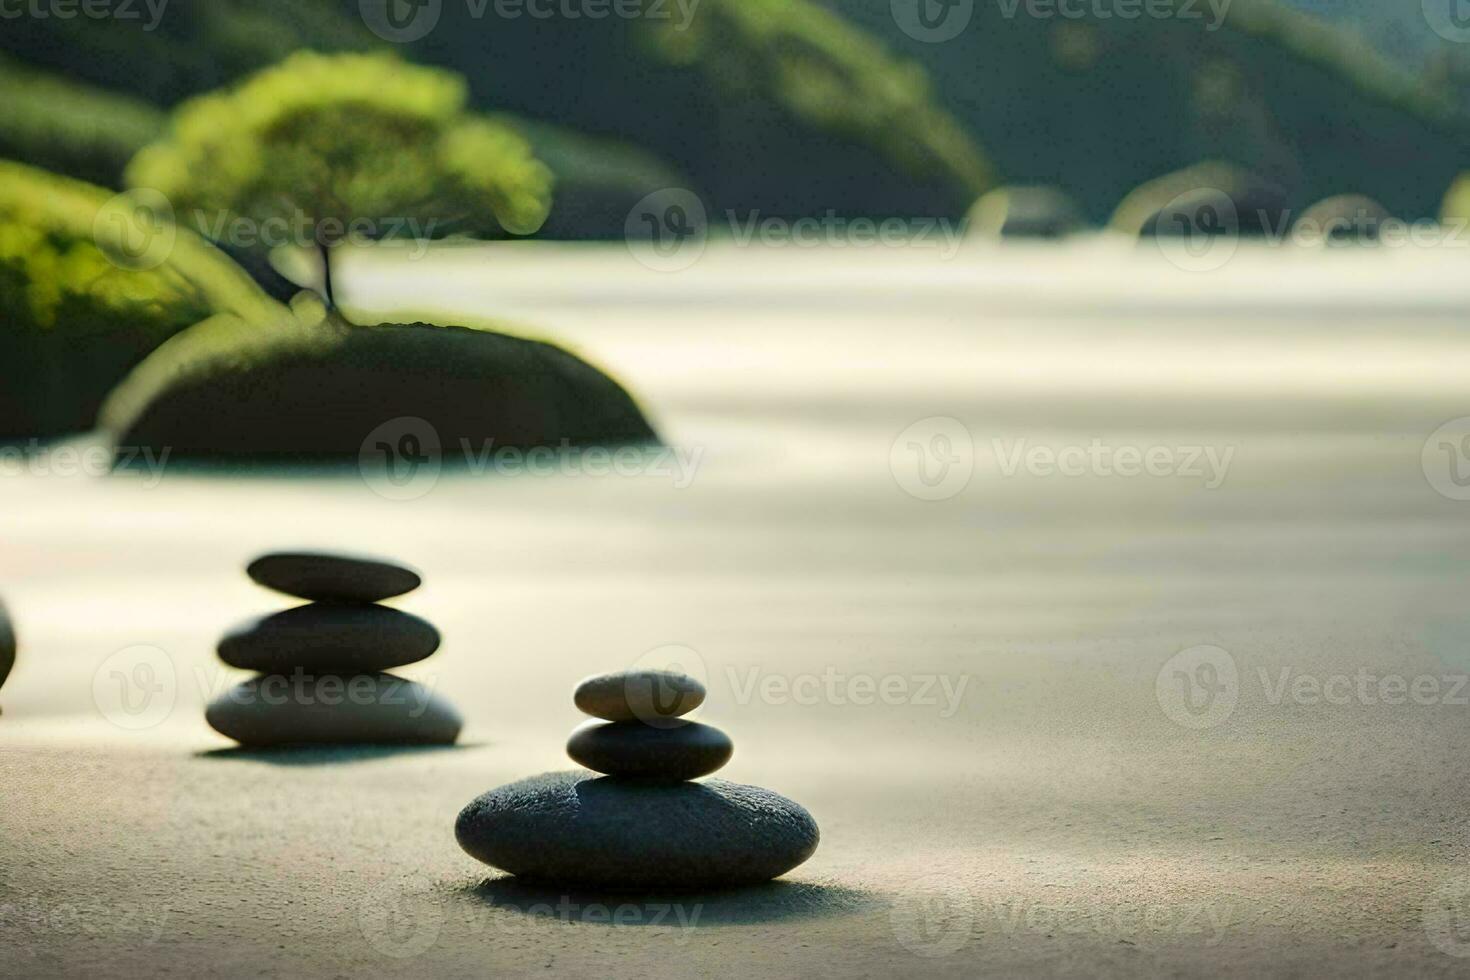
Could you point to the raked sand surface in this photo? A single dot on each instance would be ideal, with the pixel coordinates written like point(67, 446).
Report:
point(980, 697)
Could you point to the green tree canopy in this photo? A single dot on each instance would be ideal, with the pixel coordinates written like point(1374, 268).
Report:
point(339, 145)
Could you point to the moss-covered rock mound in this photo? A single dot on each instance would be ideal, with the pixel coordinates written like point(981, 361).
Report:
point(89, 285)
point(312, 387)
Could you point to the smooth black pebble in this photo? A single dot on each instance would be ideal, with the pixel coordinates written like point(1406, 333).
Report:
point(329, 637)
point(631, 748)
point(368, 709)
point(329, 577)
point(576, 828)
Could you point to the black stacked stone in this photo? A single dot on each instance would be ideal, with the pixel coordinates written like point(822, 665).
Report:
point(644, 823)
point(644, 734)
point(322, 666)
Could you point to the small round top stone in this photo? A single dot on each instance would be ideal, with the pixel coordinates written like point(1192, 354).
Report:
point(332, 577)
point(653, 697)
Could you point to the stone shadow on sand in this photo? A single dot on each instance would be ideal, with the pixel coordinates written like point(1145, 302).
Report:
point(324, 755)
point(771, 901)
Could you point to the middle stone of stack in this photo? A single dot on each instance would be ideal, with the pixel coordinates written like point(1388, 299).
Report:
point(643, 733)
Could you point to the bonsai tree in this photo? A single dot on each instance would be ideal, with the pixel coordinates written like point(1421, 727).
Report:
point(341, 146)
point(338, 146)
point(83, 298)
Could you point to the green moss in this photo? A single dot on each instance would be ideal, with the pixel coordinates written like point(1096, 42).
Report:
point(75, 316)
point(311, 387)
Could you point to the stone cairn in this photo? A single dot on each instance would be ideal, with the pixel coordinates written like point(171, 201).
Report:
point(321, 667)
point(644, 824)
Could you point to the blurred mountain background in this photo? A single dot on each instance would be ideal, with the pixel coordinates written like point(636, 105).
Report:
point(795, 107)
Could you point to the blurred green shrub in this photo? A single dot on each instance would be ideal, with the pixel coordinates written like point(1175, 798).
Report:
point(188, 48)
point(331, 146)
point(73, 318)
point(832, 76)
point(1455, 209)
point(74, 129)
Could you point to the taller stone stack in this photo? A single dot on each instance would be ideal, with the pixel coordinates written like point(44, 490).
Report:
point(322, 666)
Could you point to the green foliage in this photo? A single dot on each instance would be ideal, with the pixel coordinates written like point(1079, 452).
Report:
point(191, 48)
point(74, 316)
point(70, 128)
point(323, 141)
point(830, 75)
point(1456, 205)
